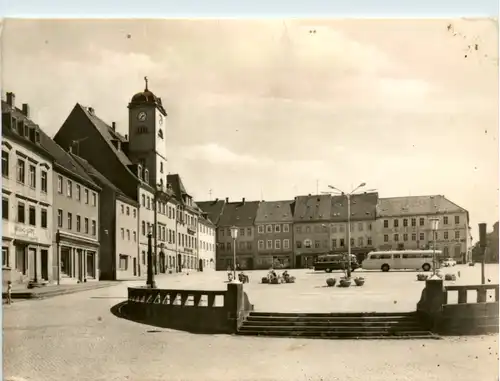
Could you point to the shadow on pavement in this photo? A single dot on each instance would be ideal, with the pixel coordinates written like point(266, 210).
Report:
point(171, 320)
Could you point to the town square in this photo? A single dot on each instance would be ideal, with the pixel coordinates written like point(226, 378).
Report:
point(250, 200)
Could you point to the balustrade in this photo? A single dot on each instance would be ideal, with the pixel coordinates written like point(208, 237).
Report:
point(482, 291)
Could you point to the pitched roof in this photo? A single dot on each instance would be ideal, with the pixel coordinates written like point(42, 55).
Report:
point(66, 161)
point(363, 207)
point(206, 221)
point(416, 205)
point(312, 208)
point(239, 213)
point(275, 211)
point(175, 182)
point(213, 209)
point(100, 178)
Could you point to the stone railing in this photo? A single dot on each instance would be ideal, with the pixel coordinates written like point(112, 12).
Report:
point(475, 316)
point(190, 310)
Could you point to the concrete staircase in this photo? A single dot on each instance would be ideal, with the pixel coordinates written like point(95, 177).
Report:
point(403, 325)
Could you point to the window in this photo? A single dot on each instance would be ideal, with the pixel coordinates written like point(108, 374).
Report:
point(122, 209)
point(352, 241)
point(143, 200)
point(43, 181)
point(5, 208)
point(457, 220)
point(94, 228)
point(32, 179)
point(128, 211)
point(59, 218)
point(122, 231)
point(413, 222)
point(413, 236)
point(134, 212)
point(86, 195)
point(78, 223)
point(277, 228)
point(286, 228)
point(32, 215)
point(242, 232)
point(134, 234)
point(269, 228)
point(143, 228)
point(298, 229)
point(445, 235)
point(341, 229)
point(277, 244)
point(228, 246)
point(342, 242)
point(94, 199)
point(20, 170)
point(5, 164)
point(242, 245)
point(286, 243)
point(316, 244)
point(405, 222)
point(405, 237)
point(298, 244)
point(308, 229)
point(20, 212)
point(457, 234)
point(369, 241)
point(5, 257)
point(128, 235)
point(148, 204)
point(386, 223)
point(161, 162)
point(59, 184)
point(70, 221)
point(123, 262)
point(396, 223)
point(334, 243)
point(360, 226)
point(249, 231)
point(334, 229)
point(445, 220)
point(269, 244)
point(78, 192)
point(69, 188)
point(360, 242)
point(422, 237)
point(421, 221)
point(457, 251)
point(386, 238)
point(86, 226)
point(43, 218)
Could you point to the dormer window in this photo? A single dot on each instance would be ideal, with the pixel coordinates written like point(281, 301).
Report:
point(20, 127)
point(139, 171)
point(146, 176)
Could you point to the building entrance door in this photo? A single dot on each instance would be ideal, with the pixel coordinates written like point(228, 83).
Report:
point(45, 264)
point(135, 266)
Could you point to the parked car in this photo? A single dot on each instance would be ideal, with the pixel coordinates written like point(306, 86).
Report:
point(449, 262)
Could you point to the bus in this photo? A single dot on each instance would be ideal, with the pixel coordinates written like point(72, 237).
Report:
point(330, 262)
point(400, 259)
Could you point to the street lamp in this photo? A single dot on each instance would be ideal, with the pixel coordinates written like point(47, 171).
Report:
point(234, 235)
point(150, 282)
point(434, 228)
point(348, 195)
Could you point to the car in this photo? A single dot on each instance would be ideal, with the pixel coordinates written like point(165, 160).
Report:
point(449, 262)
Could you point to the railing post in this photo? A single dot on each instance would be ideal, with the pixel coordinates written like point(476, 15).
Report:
point(462, 295)
point(481, 294)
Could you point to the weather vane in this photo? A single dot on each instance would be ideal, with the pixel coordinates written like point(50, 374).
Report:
point(146, 80)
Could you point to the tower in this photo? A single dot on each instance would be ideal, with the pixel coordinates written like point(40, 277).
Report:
point(146, 131)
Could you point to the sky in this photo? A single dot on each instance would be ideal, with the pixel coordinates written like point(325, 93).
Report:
point(272, 109)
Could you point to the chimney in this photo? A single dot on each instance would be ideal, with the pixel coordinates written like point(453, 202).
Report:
point(227, 199)
point(26, 110)
point(243, 201)
point(91, 110)
point(113, 126)
point(11, 99)
point(126, 137)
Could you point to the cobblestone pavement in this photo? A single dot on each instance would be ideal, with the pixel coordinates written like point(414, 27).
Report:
point(76, 337)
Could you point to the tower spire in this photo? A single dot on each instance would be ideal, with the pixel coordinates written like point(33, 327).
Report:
point(146, 81)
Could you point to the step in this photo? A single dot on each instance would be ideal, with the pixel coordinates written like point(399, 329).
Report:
point(248, 327)
point(381, 324)
point(335, 314)
point(335, 319)
point(343, 335)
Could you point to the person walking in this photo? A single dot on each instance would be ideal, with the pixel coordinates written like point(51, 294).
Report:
point(9, 292)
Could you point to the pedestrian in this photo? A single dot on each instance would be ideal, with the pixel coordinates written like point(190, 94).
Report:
point(9, 292)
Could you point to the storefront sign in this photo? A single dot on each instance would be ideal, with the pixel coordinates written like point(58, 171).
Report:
point(25, 232)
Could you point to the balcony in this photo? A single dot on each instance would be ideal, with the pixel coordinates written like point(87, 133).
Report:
point(191, 229)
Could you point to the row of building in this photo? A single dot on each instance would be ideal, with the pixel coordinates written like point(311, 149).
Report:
point(79, 206)
point(293, 233)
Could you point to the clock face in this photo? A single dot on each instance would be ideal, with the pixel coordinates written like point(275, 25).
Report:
point(142, 116)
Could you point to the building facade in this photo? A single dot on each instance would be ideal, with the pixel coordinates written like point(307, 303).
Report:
point(241, 215)
point(274, 238)
point(363, 210)
point(206, 243)
point(27, 198)
point(311, 222)
point(405, 223)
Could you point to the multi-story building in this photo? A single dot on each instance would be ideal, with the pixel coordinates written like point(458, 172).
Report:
point(274, 238)
point(405, 223)
point(206, 243)
point(27, 198)
point(311, 228)
point(118, 228)
point(242, 215)
point(363, 215)
point(75, 218)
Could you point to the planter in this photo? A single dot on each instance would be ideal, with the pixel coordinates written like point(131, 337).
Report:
point(422, 277)
point(290, 279)
point(345, 282)
point(330, 282)
point(274, 281)
point(265, 279)
point(359, 281)
point(451, 277)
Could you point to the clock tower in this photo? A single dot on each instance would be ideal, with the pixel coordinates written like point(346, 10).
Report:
point(146, 131)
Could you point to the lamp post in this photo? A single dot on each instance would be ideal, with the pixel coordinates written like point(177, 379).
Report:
point(434, 227)
point(348, 196)
point(234, 235)
point(150, 282)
